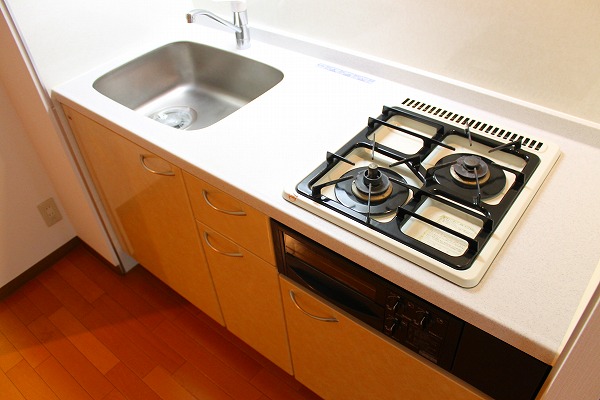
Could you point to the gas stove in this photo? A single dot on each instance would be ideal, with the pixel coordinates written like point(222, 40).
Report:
point(439, 189)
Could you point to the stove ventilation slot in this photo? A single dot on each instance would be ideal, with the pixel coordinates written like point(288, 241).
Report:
point(479, 126)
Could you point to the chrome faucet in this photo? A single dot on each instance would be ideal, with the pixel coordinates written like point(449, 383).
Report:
point(239, 25)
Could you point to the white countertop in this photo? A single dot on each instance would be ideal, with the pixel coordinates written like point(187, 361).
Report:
point(535, 286)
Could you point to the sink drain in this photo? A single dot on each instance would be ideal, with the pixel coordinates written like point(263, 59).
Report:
point(175, 117)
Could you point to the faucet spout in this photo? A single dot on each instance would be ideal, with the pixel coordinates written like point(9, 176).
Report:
point(239, 25)
point(191, 16)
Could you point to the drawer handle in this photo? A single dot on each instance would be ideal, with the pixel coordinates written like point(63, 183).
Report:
point(236, 213)
point(165, 173)
point(206, 239)
point(322, 319)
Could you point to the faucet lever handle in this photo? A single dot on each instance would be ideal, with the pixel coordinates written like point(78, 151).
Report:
point(239, 25)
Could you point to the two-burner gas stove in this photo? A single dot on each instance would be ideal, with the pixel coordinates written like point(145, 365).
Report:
point(434, 187)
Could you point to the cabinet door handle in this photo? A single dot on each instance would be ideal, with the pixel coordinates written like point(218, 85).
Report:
point(228, 212)
point(322, 319)
point(147, 168)
point(206, 239)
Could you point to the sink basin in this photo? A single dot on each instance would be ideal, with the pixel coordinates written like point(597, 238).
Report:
point(188, 85)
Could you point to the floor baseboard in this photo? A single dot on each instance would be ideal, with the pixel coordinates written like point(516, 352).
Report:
point(114, 268)
point(47, 262)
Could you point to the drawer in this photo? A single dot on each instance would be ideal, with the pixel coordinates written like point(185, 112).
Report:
point(231, 217)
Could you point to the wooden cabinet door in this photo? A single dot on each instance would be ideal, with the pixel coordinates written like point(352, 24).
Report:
point(248, 291)
point(340, 359)
point(231, 217)
point(146, 201)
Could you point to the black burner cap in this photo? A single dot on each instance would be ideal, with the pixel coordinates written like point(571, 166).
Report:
point(386, 197)
point(459, 175)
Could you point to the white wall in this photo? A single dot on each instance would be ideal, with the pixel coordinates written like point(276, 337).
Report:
point(540, 51)
point(24, 237)
point(38, 149)
point(68, 37)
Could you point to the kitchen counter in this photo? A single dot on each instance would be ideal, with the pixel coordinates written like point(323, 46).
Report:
point(540, 281)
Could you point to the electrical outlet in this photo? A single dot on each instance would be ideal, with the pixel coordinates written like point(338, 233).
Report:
point(49, 211)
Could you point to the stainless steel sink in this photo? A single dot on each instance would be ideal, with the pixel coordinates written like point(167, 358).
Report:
point(188, 85)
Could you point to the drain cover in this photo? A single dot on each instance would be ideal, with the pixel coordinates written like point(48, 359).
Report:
point(176, 117)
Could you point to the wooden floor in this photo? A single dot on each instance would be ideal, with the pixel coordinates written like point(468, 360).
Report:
point(81, 331)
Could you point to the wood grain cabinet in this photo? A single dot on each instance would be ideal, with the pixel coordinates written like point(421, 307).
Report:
point(146, 200)
point(239, 249)
point(231, 217)
point(340, 359)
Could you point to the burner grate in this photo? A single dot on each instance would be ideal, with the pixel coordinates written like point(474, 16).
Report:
point(413, 225)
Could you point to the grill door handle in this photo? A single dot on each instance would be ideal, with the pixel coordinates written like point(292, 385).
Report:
point(322, 319)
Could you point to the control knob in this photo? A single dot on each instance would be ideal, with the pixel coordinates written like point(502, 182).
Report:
point(423, 319)
point(393, 302)
point(390, 325)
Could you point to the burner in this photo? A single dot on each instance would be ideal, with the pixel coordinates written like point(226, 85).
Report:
point(469, 169)
point(465, 170)
point(386, 195)
point(373, 182)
